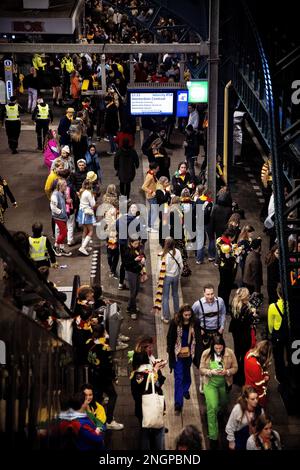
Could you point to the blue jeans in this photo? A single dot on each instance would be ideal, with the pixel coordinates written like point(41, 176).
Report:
point(182, 373)
point(152, 212)
point(211, 245)
point(113, 146)
point(153, 439)
point(168, 282)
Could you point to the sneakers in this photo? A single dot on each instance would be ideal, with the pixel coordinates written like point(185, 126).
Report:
point(72, 243)
point(57, 251)
point(152, 230)
point(121, 346)
point(65, 253)
point(211, 259)
point(199, 262)
point(133, 316)
point(123, 338)
point(106, 139)
point(121, 287)
point(114, 426)
point(83, 251)
point(164, 320)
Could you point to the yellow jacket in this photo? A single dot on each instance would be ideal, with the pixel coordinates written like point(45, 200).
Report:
point(49, 183)
point(149, 186)
point(274, 319)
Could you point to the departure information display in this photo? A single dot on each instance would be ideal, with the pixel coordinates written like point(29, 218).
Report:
point(151, 103)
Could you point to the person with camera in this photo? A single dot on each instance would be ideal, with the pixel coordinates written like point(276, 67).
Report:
point(217, 367)
point(183, 346)
point(144, 367)
point(242, 329)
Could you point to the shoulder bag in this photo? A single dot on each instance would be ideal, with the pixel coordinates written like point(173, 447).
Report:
point(152, 406)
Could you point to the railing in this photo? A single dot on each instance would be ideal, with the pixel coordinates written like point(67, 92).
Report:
point(38, 367)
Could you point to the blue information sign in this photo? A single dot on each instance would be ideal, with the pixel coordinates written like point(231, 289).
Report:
point(182, 103)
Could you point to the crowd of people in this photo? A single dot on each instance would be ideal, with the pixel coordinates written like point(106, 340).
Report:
point(185, 219)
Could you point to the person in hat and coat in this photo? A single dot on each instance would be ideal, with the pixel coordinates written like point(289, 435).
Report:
point(64, 126)
point(11, 114)
point(42, 115)
point(126, 162)
point(66, 158)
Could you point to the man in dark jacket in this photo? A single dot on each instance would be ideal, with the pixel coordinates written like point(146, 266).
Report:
point(5, 193)
point(126, 162)
point(191, 148)
point(111, 122)
point(252, 278)
point(64, 126)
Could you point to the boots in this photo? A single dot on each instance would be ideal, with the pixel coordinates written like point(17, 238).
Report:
point(84, 245)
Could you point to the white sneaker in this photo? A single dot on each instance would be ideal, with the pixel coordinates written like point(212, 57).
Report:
point(106, 139)
point(83, 251)
point(121, 346)
point(153, 230)
point(114, 426)
point(123, 338)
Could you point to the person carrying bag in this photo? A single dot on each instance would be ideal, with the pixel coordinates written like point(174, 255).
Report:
point(152, 406)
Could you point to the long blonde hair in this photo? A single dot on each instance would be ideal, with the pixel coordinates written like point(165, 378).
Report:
point(241, 298)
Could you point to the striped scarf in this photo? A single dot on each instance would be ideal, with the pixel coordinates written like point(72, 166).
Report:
point(160, 284)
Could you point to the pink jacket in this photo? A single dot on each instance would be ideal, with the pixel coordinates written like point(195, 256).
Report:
point(51, 153)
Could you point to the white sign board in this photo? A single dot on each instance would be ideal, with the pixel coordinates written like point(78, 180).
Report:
point(151, 103)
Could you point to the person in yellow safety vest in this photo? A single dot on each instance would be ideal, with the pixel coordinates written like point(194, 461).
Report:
point(67, 64)
point(38, 63)
point(42, 115)
point(278, 329)
point(40, 248)
point(11, 113)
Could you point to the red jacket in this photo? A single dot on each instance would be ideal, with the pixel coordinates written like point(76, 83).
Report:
point(256, 377)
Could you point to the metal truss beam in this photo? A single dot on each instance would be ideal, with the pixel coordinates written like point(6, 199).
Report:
point(47, 48)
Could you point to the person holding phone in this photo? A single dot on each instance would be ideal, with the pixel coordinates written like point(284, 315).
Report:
point(217, 367)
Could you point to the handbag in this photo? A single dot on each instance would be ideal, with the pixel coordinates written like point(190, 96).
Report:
point(143, 278)
point(184, 352)
point(152, 407)
point(88, 211)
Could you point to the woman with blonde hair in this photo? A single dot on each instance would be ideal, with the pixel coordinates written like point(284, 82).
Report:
point(86, 216)
point(242, 328)
point(111, 196)
point(256, 364)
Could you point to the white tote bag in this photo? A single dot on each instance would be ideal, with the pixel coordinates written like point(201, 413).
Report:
point(153, 407)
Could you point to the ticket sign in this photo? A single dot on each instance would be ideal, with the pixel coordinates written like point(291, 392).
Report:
point(8, 75)
point(198, 91)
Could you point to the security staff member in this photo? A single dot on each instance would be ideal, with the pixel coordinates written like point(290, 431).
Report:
point(11, 114)
point(40, 248)
point(42, 115)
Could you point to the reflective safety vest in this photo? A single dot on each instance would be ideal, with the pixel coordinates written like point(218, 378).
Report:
point(38, 63)
point(38, 250)
point(67, 62)
point(12, 112)
point(43, 112)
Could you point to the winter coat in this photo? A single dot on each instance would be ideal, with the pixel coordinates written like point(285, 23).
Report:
point(51, 152)
point(253, 271)
point(125, 163)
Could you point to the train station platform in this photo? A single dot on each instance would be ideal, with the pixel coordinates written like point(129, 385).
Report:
point(26, 176)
